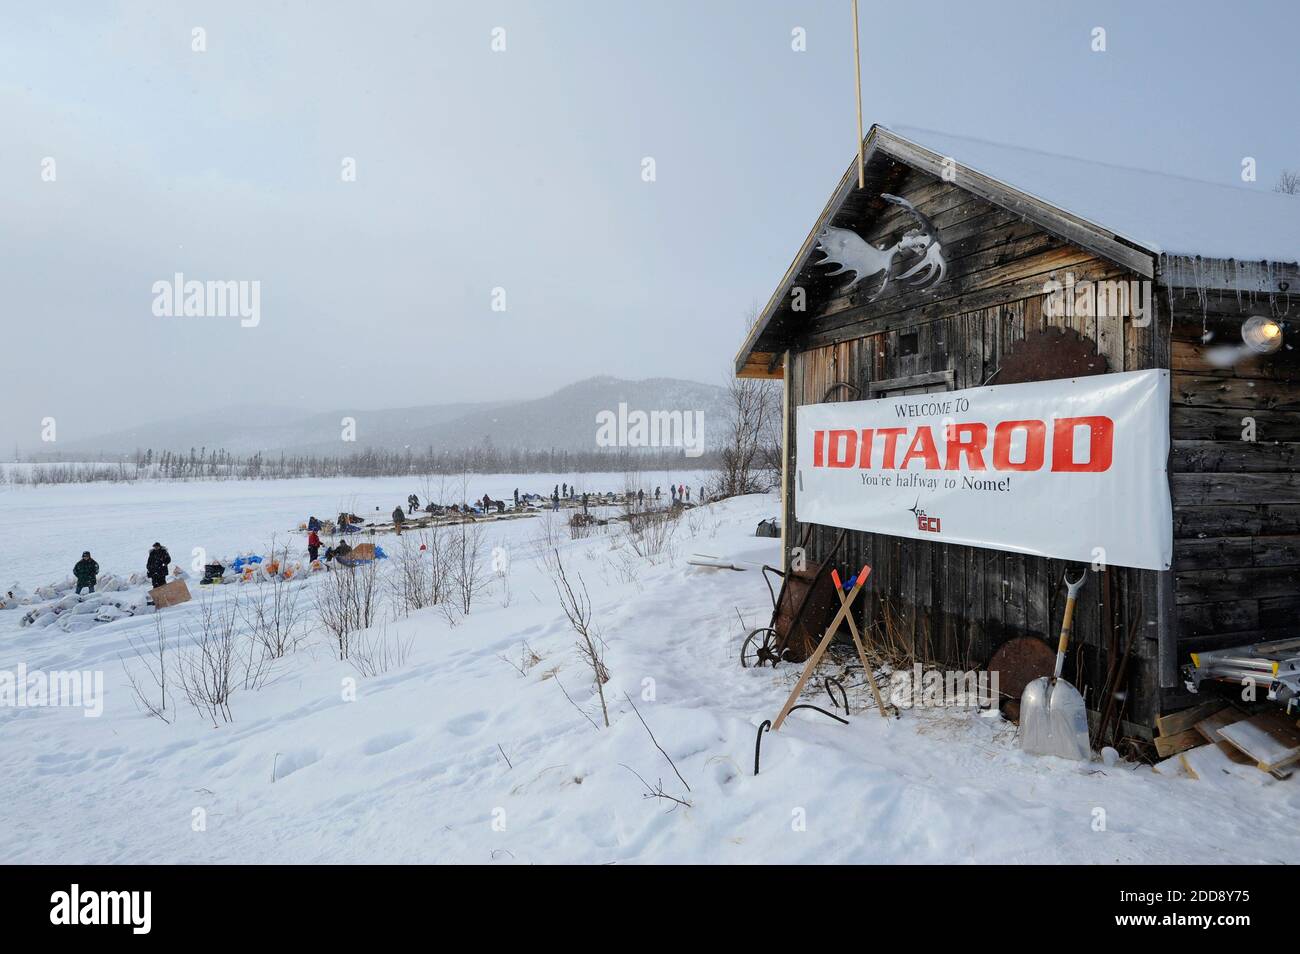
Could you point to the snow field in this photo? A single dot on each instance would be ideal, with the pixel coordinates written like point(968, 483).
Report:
point(454, 756)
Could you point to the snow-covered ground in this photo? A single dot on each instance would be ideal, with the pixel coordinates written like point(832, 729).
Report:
point(455, 756)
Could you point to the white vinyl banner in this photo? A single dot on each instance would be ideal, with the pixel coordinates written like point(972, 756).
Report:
point(1072, 469)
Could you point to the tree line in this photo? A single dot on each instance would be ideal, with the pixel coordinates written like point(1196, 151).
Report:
point(219, 464)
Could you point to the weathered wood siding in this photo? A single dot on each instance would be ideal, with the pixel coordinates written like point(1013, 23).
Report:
point(955, 604)
point(1236, 501)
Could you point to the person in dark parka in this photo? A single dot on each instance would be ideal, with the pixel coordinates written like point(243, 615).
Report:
point(86, 571)
point(156, 567)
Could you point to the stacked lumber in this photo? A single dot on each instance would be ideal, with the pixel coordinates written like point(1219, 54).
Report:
point(1217, 742)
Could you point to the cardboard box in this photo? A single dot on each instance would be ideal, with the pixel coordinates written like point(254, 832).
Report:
point(169, 594)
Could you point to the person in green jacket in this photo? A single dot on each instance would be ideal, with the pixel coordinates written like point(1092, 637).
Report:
point(86, 571)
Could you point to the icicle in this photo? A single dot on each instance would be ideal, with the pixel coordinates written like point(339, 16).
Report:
point(1251, 282)
point(1169, 285)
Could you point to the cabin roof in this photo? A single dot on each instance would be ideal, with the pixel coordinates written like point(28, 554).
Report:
point(1162, 213)
point(1128, 216)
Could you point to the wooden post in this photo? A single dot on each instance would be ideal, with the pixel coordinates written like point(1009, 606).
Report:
point(786, 509)
point(857, 75)
point(816, 657)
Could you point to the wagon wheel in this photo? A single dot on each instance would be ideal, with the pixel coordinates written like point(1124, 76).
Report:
point(763, 651)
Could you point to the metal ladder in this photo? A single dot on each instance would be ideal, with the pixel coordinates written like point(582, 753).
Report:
point(1275, 664)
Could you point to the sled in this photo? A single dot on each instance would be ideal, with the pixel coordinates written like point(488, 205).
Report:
point(362, 553)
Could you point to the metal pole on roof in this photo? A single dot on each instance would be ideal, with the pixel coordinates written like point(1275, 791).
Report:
point(857, 73)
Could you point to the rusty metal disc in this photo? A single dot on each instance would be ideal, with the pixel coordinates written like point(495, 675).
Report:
point(1018, 662)
point(1048, 354)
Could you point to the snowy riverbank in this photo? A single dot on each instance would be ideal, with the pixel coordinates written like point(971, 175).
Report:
point(454, 755)
point(46, 528)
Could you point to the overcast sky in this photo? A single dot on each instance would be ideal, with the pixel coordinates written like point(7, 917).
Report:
point(519, 170)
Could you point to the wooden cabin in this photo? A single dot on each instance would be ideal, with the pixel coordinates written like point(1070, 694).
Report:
point(1009, 223)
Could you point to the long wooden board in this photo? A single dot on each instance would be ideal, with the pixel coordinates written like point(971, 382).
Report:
point(1271, 739)
point(1210, 727)
point(1210, 763)
point(1167, 745)
point(1185, 719)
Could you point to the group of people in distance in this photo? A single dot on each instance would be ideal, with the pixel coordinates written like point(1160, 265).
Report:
point(86, 570)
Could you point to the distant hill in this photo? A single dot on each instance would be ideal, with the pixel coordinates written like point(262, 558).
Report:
point(564, 420)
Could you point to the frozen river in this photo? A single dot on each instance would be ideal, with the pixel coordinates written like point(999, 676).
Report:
point(46, 528)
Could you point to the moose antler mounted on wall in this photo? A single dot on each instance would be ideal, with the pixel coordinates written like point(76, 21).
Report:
point(852, 253)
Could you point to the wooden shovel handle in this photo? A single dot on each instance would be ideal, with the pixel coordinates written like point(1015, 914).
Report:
point(1067, 622)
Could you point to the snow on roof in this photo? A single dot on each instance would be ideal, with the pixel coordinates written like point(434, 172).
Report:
point(1163, 213)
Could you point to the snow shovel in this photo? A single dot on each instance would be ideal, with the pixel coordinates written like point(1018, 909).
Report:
point(1053, 718)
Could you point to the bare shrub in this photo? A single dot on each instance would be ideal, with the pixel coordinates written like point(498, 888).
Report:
point(650, 534)
point(625, 562)
point(576, 604)
point(581, 525)
point(409, 579)
point(276, 617)
point(703, 520)
point(375, 653)
point(348, 600)
point(547, 537)
point(528, 658)
point(451, 613)
point(209, 667)
point(152, 659)
point(750, 458)
point(657, 790)
point(468, 572)
point(421, 575)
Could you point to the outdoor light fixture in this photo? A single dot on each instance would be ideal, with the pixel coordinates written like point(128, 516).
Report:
point(1263, 335)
